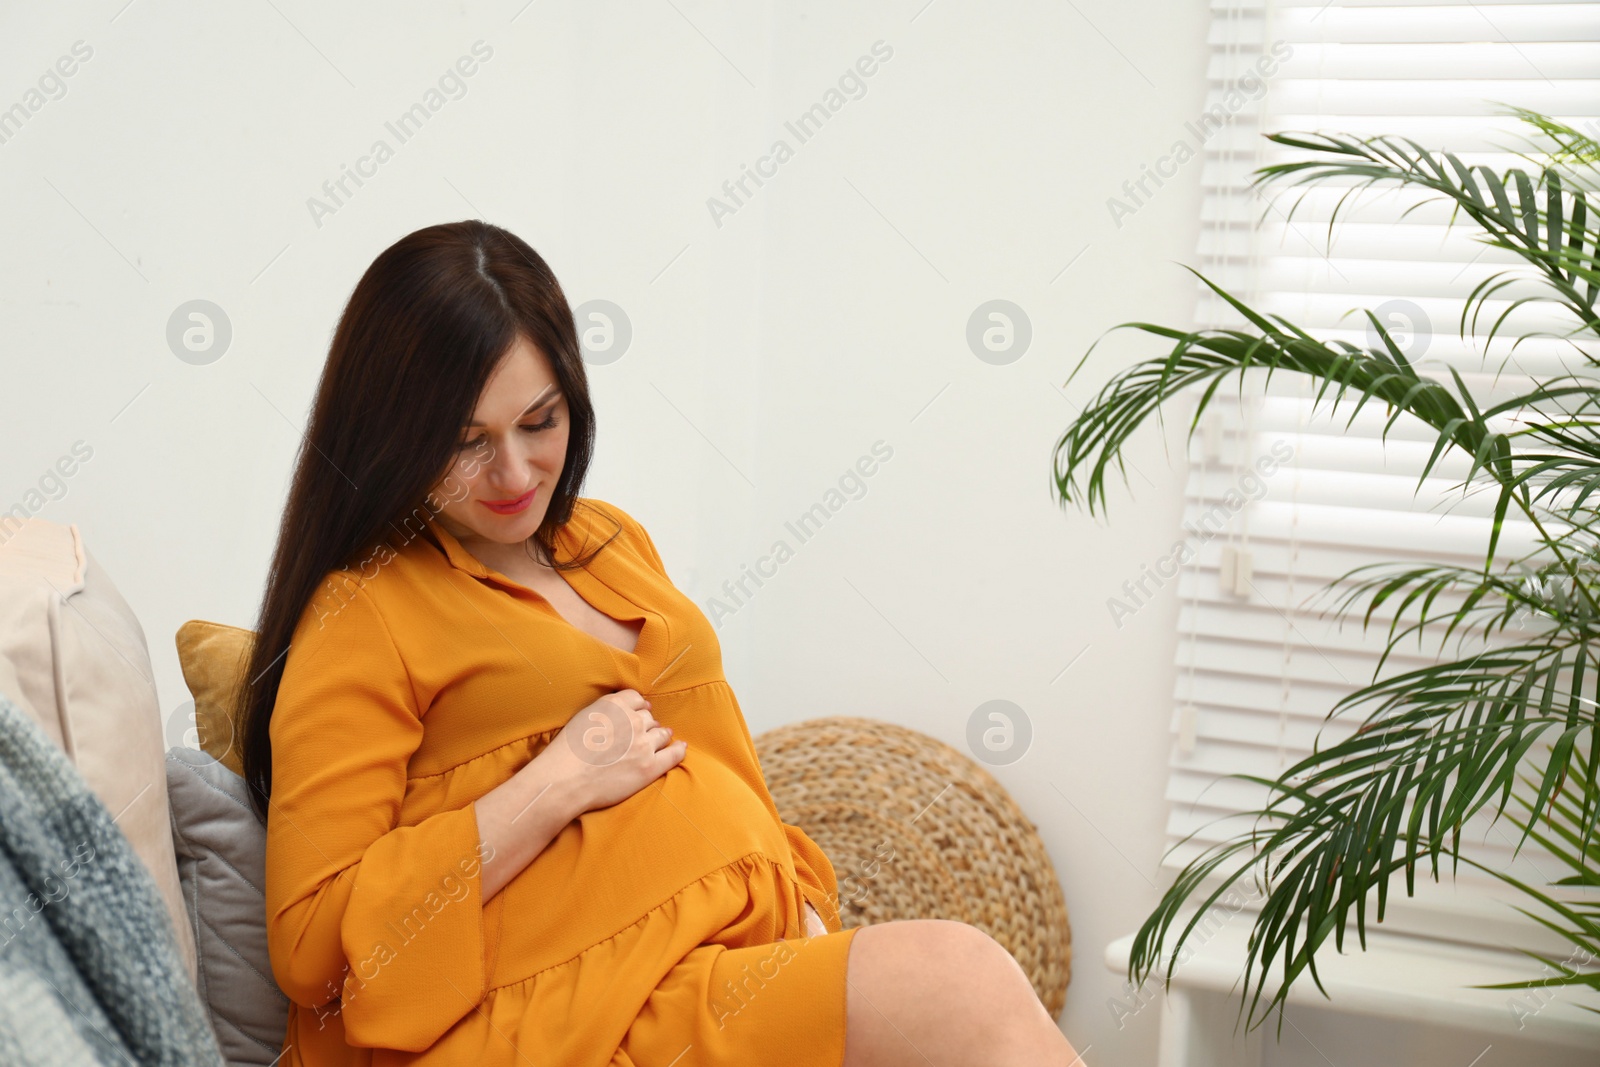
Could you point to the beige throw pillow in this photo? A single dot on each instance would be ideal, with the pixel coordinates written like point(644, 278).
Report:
point(73, 655)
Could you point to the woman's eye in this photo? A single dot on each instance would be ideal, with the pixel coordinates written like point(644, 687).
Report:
point(480, 442)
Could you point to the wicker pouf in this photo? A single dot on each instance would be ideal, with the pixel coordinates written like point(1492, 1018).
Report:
point(917, 830)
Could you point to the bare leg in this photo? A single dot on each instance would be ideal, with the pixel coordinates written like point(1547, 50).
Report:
point(937, 993)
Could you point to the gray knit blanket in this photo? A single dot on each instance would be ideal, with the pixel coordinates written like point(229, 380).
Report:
point(89, 967)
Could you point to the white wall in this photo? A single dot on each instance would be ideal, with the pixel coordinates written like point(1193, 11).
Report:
point(769, 352)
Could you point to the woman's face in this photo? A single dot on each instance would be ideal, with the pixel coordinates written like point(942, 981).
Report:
point(510, 453)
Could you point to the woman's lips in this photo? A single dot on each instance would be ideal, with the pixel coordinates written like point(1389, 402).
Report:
point(510, 507)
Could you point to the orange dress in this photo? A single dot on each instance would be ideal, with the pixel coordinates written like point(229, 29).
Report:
point(664, 931)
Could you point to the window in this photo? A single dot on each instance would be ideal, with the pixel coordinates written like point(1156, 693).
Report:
point(1258, 666)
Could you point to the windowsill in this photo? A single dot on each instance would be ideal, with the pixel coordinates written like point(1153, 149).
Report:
point(1398, 977)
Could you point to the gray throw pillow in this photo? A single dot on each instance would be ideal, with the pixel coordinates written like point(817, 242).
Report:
point(221, 852)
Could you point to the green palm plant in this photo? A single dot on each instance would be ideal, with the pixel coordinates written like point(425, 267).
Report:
point(1508, 730)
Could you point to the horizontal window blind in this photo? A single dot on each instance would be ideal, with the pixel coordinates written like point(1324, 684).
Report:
point(1260, 659)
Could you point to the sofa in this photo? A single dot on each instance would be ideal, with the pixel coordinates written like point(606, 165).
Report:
point(74, 659)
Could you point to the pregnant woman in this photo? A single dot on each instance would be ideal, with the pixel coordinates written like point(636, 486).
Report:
point(514, 814)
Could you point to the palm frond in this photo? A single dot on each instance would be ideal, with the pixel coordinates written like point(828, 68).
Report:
point(1539, 218)
point(1504, 730)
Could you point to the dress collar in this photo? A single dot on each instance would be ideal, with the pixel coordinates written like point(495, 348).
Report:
point(654, 637)
point(458, 556)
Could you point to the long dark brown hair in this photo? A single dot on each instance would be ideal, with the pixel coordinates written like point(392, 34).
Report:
point(419, 338)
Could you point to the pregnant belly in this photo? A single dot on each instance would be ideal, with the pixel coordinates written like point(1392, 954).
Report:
point(609, 867)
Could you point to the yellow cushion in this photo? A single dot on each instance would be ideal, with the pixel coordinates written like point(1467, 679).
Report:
point(214, 658)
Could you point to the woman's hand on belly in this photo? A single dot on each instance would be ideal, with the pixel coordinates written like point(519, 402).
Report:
point(604, 754)
point(613, 748)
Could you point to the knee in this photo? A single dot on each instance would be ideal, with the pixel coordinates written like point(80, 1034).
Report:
point(1008, 1003)
point(965, 956)
point(996, 991)
point(966, 944)
point(944, 954)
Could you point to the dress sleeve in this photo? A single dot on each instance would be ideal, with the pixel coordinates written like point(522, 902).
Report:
point(817, 878)
point(383, 918)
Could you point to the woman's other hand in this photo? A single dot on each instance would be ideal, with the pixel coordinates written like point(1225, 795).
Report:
point(815, 927)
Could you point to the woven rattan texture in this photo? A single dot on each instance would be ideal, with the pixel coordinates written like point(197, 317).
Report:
point(917, 830)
